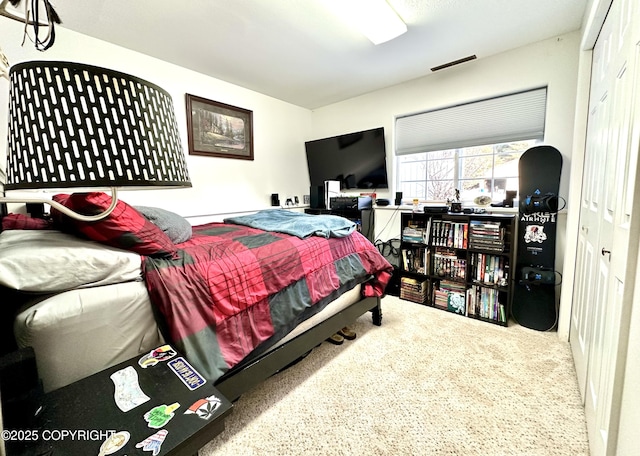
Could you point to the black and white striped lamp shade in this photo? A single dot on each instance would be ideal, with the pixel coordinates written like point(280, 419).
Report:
point(76, 125)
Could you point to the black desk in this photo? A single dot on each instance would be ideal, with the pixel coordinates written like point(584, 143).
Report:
point(78, 418)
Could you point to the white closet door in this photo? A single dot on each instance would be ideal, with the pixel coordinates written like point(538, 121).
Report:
point(601, 288)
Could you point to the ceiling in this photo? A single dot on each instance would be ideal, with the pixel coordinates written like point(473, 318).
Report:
point(299, 52)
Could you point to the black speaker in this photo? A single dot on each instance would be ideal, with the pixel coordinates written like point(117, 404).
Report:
point(350, 181)
point(316, 197)
point(275, 200)
point(508, 202)
point(398, 201)
point(36, 210)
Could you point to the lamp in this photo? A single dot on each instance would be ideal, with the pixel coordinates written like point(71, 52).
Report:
point(375, 19)
point(80, 126)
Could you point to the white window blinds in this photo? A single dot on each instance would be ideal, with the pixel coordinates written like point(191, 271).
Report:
point(496, 120)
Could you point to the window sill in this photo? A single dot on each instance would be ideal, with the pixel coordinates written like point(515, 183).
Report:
point(489, 209)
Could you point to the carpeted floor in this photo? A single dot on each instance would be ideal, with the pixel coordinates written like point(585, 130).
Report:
point(426, 382)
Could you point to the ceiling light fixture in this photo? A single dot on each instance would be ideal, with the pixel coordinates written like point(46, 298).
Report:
point(375, 19)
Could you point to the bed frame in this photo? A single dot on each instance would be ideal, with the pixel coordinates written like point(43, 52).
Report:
point(288, 353)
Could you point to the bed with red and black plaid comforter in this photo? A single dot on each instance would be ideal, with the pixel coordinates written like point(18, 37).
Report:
point(231, 287)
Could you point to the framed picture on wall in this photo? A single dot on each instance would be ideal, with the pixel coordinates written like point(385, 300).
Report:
point(219, 130)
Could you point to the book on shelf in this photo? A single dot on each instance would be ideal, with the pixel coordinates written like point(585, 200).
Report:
point(450, 234)
point(489, 269)
point(410, 234)
point(413, 289)
point(447, 264)
point(416, 259)
point(485, 303)
point(450, 295)
point(456, 303)
point(486, 236)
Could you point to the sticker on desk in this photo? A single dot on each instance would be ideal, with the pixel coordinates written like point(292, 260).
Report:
point(186, 373)
point(158, 416)
point(204, 408)
point(114, 442)
point(163, 353)
point(128, 394)
point(154, 442)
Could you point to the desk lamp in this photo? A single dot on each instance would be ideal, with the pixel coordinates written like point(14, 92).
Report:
point(84, 127)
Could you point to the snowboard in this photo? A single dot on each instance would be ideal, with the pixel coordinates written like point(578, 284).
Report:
point(534, 297)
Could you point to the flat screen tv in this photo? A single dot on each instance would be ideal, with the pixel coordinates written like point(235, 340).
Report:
point(357, 160)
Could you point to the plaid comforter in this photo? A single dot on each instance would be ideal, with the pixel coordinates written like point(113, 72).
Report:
point(233, 287)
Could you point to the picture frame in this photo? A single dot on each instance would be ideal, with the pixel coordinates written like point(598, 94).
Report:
point(217, 129)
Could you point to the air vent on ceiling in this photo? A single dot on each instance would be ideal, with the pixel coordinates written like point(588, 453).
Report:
point(455, 62)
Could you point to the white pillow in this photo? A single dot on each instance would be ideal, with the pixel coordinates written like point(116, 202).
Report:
point(49, 260)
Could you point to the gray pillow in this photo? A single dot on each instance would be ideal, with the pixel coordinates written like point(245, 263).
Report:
point(177, 228)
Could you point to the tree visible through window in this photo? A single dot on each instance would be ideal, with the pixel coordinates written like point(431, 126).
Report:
point(479, 170)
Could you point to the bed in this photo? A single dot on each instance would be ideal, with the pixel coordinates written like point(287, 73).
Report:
point(242, 299)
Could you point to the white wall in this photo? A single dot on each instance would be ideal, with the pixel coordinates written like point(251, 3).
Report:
point(220, 185)
point(552, 63)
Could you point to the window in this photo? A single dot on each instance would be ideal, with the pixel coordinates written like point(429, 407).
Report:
point(473, 148)
point(480, 170)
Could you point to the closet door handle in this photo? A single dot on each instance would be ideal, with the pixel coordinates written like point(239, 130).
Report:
point(606, 252)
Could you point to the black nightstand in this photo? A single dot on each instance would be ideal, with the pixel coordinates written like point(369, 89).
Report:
point(77, 418)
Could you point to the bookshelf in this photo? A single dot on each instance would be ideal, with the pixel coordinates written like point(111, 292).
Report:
point(461, 263)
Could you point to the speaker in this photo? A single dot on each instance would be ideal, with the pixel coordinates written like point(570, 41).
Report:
point(36, 210)
point(316, 197)
point(275, 200)
point(398, 201)
point(508, 202)
point(350, 181)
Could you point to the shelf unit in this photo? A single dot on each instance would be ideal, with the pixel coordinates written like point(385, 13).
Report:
point(462, 263)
